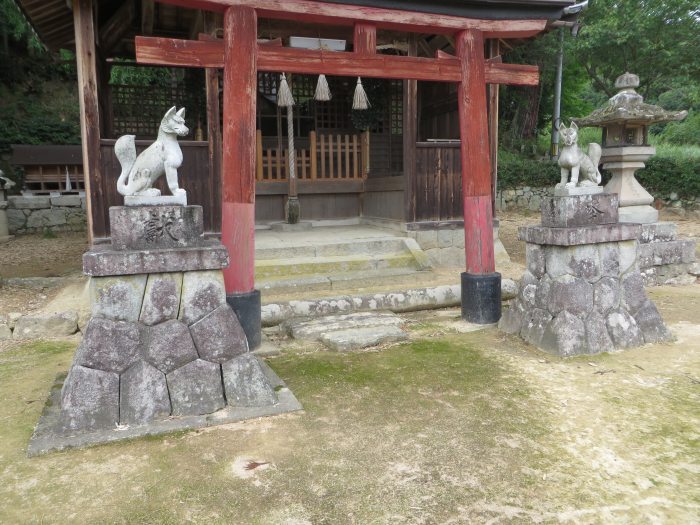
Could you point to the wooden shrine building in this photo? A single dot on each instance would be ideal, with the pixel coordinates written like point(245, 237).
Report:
point(386, 169)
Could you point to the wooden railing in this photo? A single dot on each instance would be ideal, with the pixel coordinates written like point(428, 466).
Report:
point(328, 157)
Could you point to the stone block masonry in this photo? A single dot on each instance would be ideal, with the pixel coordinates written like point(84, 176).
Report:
point(137, 373)
point(38, 214)
point(582, 292)
point(162, 343)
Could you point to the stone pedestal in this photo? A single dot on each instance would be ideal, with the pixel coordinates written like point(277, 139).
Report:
point(582, 292)
point(162, 341)
point(635, 201)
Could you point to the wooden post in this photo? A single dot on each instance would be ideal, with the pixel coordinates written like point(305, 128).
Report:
point(410, 137)
point(493, 90)
point(481, 285)
point(365, 39)
point(312, 153)
point(475, 155)
point(89, 112)
point(214, 138)
point(238, 188)
point(258, 155)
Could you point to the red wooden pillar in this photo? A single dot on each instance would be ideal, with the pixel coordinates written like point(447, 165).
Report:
point(481, 297)
point(238, 168)
point(476, 164)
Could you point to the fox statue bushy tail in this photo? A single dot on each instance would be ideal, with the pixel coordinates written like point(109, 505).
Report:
point(125, 150)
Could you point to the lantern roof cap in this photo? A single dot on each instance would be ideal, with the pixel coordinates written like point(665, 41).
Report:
point(628, 107)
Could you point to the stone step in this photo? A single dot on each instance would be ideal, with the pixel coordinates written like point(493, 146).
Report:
point(335, 264)
point(365, 337)
point(347, 332)
point(315, 329)
point(337, 280)
point(384, 245)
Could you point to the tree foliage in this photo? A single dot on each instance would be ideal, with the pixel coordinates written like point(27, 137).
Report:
point(659, 40)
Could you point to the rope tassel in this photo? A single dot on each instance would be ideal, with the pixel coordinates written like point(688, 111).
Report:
point(284, 94)
point(360, 100)
point(323, 92)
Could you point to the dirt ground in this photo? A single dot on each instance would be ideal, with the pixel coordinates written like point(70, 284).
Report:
point(449, 428)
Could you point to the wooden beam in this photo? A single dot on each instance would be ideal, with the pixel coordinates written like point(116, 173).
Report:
point(311, 11)
point(86, 56)
point(410, 137)
point(192, 53)
point(238, 169)
point(474, 151)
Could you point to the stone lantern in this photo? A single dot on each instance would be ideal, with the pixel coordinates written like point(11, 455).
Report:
point(5, 184)
point(625, 120)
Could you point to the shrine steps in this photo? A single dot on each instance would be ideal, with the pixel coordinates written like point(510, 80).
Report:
point(335, 259)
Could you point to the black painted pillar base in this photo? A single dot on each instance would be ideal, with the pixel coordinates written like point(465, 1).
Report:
point(247, 308)
point(481, 297)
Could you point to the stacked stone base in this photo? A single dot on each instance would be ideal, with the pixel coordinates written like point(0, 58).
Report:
point(665, 259)
point(162, 347)
point(157, 346)
point(582, 292)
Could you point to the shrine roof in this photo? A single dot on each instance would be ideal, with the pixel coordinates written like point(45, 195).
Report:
point(53, 19)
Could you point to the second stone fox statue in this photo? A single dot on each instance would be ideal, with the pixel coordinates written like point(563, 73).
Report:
point(163, 157)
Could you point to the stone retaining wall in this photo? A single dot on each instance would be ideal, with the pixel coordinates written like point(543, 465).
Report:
point(38, 214)
point(529, 198)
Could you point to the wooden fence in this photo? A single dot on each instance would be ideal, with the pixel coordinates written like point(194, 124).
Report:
point(327, 157)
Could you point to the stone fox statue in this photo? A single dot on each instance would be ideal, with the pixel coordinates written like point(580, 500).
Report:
point(573, 160)
point(164, 156)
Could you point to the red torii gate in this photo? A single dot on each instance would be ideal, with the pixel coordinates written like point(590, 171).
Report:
point(241, 57)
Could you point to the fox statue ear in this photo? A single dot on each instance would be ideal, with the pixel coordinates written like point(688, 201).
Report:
point(574, 125)
point(561, 126)
point(170, 112)
point(181, 113)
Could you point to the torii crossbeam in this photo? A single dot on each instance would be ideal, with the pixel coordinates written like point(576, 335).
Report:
point(241, 57)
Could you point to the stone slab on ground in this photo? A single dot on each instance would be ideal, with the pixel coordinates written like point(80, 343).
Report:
point(37, 326)
point(362, 337)
point(103, 260)
point(49, 437)
point(316, 328)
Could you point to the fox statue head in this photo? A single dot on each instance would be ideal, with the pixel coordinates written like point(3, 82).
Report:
point(174, 122)
point(569, 135)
